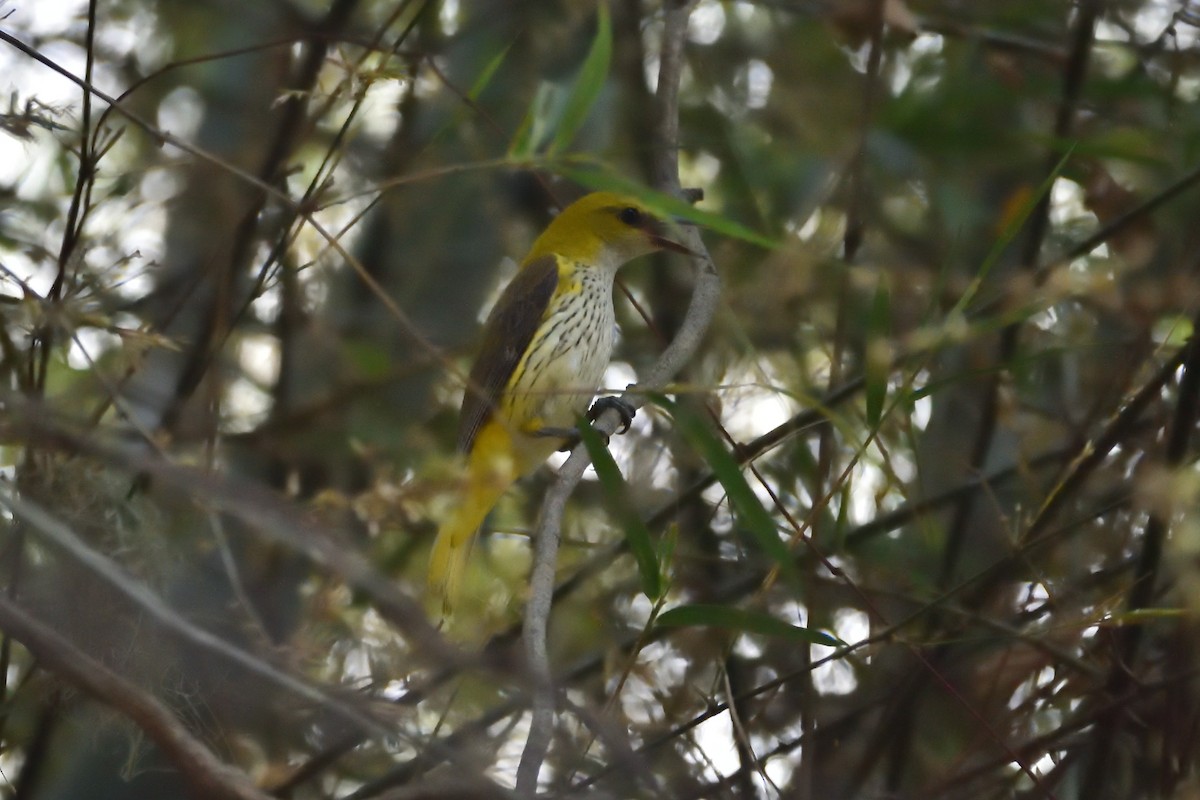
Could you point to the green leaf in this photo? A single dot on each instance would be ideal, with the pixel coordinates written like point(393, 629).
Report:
point(1011, 229)
point(368, 359)
point(489, 71)
point(1142, 616)
point(595, 177)
point(1131, 144)
point(1173, 330)
point(616, 492)
point(878, 357)
point(666, 549)
point(587, 86)
point(454, 121)
point(529, 133)
point(741, 620)
point(750, 511)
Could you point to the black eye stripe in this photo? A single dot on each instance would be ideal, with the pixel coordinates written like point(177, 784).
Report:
point(631, 216)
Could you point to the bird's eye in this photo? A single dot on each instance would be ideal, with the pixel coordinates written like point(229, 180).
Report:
point(630, 216)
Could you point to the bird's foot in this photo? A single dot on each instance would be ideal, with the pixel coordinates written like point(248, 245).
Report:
point(623, 408)
point(570, 436)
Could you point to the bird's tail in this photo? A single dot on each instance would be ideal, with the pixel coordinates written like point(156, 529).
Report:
point(448, 561)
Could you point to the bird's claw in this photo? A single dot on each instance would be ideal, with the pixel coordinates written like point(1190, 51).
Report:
point(571, 437)
point(623, 408)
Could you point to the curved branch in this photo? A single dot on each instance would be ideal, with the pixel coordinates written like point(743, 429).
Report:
point(695, 324)
point(208, 776)
point(258, 508)
point(53, 530)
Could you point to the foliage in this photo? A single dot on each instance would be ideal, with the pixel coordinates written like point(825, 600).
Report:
point(919, 520)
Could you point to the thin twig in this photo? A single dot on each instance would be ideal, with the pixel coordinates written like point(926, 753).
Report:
point(261, 510)
point(54, 530)
point(1074, 76)
point(247, 178)
point(208, 777)
point(1097, 778)
point(959, 527)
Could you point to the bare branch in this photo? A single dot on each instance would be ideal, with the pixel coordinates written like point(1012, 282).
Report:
point(1144, 585)
point(209, 777)
point(53, 530)
point(258, 508)
point(247, 178)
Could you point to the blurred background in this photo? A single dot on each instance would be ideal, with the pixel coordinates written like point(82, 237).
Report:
point(960, 280)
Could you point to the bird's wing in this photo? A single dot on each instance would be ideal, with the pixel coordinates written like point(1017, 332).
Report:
point(506, 334)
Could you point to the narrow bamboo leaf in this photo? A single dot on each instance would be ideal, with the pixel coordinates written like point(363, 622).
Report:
point(616, 491)
point(841, 523)
point(453, 122)
point(666, 551)
point(741, 620)
point(1142, 616)
point(750, 510)
point(1015, 223)
point(598, 179)
point(489, 72)
point(1125, 144)
point(878, 357)
point(587, 86)
point(531, 130)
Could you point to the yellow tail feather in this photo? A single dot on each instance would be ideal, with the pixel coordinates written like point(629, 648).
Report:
point(448, 561)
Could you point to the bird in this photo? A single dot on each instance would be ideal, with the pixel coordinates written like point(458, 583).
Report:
point(546, 345)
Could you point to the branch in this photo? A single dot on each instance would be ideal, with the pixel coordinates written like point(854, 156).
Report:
point(209, 777)
point(249, 179)
point(261, 510)
point(681, 350)
point(1075, 74)
point(55, 531)
point(1145, 580)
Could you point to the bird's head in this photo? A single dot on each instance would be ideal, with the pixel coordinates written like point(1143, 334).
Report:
point(606, 229)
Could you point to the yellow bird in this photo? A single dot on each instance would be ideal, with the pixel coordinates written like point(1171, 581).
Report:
point(546, 345)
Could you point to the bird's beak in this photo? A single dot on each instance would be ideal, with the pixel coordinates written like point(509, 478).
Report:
point(658, 235)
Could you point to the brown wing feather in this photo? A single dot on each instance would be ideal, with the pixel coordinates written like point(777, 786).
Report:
point(506, 333)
